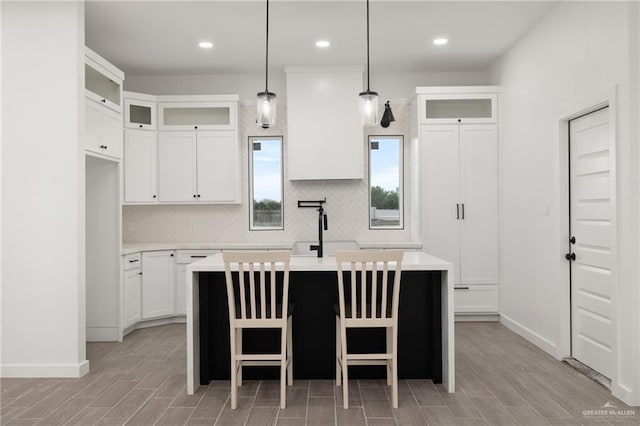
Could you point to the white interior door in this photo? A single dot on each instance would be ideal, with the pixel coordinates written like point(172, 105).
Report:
point(479, 199)
point(591, 181)
point(440, 190)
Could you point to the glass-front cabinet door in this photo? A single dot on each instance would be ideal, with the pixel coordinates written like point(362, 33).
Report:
point(197, 115)
point(101, 87)
point(462, 108)
point(139, 114)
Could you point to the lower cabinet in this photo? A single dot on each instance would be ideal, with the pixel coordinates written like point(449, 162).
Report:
point(158, 284)
point(476, 299)
point(132, 297)
point(183, 259)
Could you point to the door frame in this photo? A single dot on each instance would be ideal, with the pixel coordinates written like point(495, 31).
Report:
point(573, 110)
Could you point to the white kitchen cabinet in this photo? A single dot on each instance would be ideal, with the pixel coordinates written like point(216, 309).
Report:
point(459, 192)
point(198, 115)
point(476, 299)
point(103, 106)
point(448, 108)
point(103, 130)
point(158, 284)
point(184, 258)
point(132, 297)
point(177, 166)
point(139, 114)
point(199, 166)
point(140, 166)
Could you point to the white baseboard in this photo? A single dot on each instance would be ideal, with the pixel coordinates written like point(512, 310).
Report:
point(541, 342)
point(180, 319)
point(625, 394)
point(103, 334)
point(45, 370)
point(476, 318)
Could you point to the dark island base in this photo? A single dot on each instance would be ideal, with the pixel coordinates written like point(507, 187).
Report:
point(314, 338)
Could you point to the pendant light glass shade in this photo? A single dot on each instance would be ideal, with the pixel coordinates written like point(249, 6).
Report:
point(266, 109)
point(266, 102)
point(368, 108)
point(368, 103)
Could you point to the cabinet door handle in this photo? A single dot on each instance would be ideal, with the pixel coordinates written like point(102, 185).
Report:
point(171, 255)
point(155, 196)
point(195, 127)
point(461, 288)
point(194, 195)
point(139, 273)
point(104, 100)
point(198, 256)
point(570, 256)
point(140, 126)
point(462, 211)
point(198, 195)
point(134, 260)
point(457, 211)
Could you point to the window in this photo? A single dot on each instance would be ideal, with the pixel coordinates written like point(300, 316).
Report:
point(385, 182)
point(265, 180)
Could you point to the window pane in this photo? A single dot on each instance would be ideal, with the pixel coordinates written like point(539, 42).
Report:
point(385, 182)
point(266, 183)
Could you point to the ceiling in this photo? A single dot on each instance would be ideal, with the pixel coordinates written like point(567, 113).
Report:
point(161, 37)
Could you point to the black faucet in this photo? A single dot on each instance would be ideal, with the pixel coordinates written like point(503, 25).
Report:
point(322, 222)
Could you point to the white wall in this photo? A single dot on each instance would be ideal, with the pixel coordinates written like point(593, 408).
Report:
point(580, 50)
point(389, 86)
point(43, 284)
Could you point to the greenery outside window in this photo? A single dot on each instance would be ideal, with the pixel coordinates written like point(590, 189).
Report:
point(266, 183)
point(385, 182)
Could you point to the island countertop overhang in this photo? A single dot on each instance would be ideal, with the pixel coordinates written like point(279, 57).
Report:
point(412, 261)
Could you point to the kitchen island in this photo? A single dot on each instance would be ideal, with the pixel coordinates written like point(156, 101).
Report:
point(425, 333)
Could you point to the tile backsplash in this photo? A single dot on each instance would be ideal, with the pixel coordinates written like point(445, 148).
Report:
point(346, 206)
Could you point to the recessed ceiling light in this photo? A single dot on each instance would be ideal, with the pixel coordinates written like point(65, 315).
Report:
point(205, 44)
point(440, 41)
point(322, 43)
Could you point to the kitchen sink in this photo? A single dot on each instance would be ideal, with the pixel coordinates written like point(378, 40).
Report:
point(301, 248)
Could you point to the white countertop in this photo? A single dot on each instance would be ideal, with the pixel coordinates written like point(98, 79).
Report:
point(412, 261)
point(129, 248)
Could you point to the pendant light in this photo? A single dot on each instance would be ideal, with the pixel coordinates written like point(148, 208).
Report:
point(368, 99)
point(266, 102)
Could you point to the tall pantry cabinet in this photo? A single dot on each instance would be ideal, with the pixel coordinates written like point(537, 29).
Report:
point(456, 132)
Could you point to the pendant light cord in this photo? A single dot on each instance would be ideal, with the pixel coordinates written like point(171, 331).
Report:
point(266, 66)
point(367, 45)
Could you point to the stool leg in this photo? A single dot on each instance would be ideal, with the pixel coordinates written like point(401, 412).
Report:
point(234, 377)
point(283, 368)
point(239, 351)
point(345, 373)
point(389, 338)
point(394, 368)
point(338, 354)
point(290, 352)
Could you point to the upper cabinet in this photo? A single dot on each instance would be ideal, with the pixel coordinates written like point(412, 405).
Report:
point(438, 105)
point(326, 140)
point(139, 113)
point(194, 157)
point(102, 81)
point(200, 115)
point(103, 107)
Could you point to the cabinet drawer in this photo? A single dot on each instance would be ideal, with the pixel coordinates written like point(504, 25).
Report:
point(131, 261)
point(476, 299)
point(189, 256)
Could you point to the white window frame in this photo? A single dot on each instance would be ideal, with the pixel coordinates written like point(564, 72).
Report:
point(400, 138)
point(253, 139)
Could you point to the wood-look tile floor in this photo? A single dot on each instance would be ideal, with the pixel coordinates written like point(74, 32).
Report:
point(502, 380)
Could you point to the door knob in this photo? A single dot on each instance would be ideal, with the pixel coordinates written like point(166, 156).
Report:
point(570, 256)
